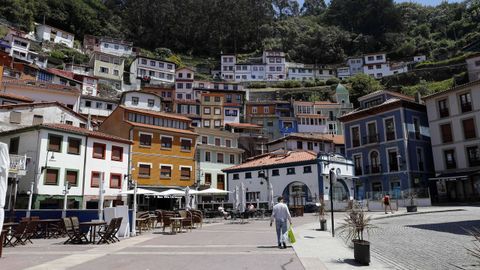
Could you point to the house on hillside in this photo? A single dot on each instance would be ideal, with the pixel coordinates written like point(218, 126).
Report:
point(152, 71)
point(48, 33)
point(108, 69)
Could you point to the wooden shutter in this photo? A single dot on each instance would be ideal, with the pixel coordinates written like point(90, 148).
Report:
point(73, 146)
point(117, 153)
point(99, 150)
point(51, 177)
point(144, 170)
point(185, 173)
point(72, 177)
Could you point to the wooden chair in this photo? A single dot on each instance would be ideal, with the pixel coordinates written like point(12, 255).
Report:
point(188, 220)
point(79, 234)
point(197, 217)
point(108, 235)
point(74, 236)
point(159, 217)
point(166, 221)
point(117, 228)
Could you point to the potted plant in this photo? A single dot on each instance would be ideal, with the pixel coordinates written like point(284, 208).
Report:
point(353, 229)
point(321, 216)
point(412, 207)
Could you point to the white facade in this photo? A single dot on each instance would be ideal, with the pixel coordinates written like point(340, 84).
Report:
point(115, 47)
point(231, 115)
point(90, 105)
point(228, 62)
point(141, 100)
point(302, 144)
point(276, 68)
point(46, 32)
point(355, 65)
point(473, 68)
point(343, 73)
point(273, 67)
point(22, 115)
point(152, 70)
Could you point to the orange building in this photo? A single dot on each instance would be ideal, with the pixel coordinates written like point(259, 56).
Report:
point(163, 150)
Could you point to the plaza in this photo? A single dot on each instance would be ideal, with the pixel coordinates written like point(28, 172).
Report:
point(434, 238)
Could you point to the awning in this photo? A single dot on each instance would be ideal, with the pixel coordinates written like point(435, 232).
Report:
point(454, 176)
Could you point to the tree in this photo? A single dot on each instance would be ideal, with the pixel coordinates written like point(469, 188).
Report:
point(313, 7)
point(360, 85)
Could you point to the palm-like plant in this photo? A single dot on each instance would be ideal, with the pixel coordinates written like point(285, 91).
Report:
point(355, 224)
point(475, 250)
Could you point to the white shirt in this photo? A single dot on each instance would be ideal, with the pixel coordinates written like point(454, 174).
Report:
point(281, 213)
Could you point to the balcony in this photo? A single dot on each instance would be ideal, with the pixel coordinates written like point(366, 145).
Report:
point(358, 171)
point(371, 169)
point(374, 138)
point(444, 112)
point(466, 107)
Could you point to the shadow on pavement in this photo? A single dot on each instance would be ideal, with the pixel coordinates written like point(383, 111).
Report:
point(351, 262)
point(460, 227)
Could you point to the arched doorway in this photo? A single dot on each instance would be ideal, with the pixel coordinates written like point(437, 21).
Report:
point(296, 194)
point(340, 191)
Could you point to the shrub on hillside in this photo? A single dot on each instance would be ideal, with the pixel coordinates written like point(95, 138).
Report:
point(332, 81)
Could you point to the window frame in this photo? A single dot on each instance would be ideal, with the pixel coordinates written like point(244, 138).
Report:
point(161, 142)
point(305, 171)
point(69, 139)
point(144, 175)
point(474, 128)
point(166, 166)
point(45, 176)
point(189, 175)
point(140, 133)
point(291, 171)
point(104, 152)
point(121, 153)
point(120, 181)
point(49, 140)
point(99, 180)
point(181, 145)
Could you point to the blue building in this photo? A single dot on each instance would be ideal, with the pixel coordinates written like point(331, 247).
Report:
point(286, 117)
point(388, 139)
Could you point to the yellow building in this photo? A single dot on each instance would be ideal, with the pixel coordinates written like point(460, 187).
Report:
point(163, 149)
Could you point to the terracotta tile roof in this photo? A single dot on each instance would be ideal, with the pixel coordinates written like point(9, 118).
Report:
point(399, 95)
point(176, 130)
point(387, 105)
point(243, 125)
point(311, 115)
point(275, 158)
point(84, 131)
point(156, 113)
point(313, 136)
point(62, 73)
point(16, 97)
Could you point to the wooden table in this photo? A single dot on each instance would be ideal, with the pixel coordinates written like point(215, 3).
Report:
point(46, 223)
point(140, 223)
point(176, 223)
point(7, 234)
point(92, 228)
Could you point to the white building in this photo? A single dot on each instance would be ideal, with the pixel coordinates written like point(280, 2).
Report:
point(58, 153)
point(141, 100)
point(301, 177)
point(377, 66)
point(228, 62)
point(55, 35)
point(97, 108)
point(270, 67)
point(473, 67)
point(152, 71)
point(316, 142)
point(108, 45)
point(355, 65)
point(275, 65)
point(16, 116)
point(343, 73)
point(216, 150)
point(19, 48)
point(454, 119)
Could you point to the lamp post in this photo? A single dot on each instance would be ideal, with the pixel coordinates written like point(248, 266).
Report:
point(264, 174)
point(65, 199)
point(333, 179)
point(133, 183)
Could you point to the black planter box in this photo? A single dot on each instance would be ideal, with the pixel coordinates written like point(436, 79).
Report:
point(361, 251)
point(323, 225)
point(412, 208)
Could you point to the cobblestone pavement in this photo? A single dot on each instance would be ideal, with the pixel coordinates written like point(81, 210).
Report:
point(426, 241)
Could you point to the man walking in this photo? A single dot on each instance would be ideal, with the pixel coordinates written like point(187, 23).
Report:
point(280, 214)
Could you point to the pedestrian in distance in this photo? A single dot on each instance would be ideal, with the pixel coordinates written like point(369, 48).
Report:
point(386, 203)
point(280, 214)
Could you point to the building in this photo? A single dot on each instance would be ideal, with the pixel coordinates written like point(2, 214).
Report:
point(301, 177)
point(39, 91)
point(58, 153)
point(141, 100)
point(304, 72)
point(163, 150)
point(15, 116)
point(167, 94)
point(108, 69)
point(343, 73)
point(212, 110)
point(270, 67)
point(187, 100)
point(355, 65)
point(263, 113)
point(8, 99)
point(377, 66)
point(152, 71)
point(216, 150)
point(388, 139)
point(108, 45)
point(48, 33)
point(316, 142)
point(18, 45)
point(454, 119)
point(97, 108)
point(252, 138)
point(288, 123)
point(473, 67)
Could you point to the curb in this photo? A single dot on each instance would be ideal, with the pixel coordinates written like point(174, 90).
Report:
point(419, 213)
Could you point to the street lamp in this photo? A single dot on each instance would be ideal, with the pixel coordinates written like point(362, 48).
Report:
point(133, 183)
point(333, 179)
point(65, 198)
point(32, 184)
point(264, 174)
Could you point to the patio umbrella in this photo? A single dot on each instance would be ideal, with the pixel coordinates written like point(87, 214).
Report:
point(187, 198)
point(172, 193)
point(271, 203)
point(140, 191)
point(213, 191)
point(4, 168)
point(236, 198)
point(243, 199)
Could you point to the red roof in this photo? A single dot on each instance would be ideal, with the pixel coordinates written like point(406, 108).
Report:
point(275, 159)
point(16, 97)
point(151, 112)
point(62, 73)
point(177, 130)
point(87, 132)
point(243, 125)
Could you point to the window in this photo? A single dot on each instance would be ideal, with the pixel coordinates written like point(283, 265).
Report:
point(266, 109)
point(217, 123)
point(117, 153)
point(254, 109)
point(185, 173)
point(103, 70)
point(421, 166)
point(219, 157)
point(217, 111)
point(390, 129)
point(449, 156)
point(69, 123)
point(357, 159)
point(204, 140)
point(74, 146)
point(206, 123)
point(37, 119)
point(473, 155)
point(208, 179)
point(115, 72)
point(236, 176)
point(15, 117)
point(145, 140)
point(299, 145)
point(392, 160)
point(109, 107)
point(206, 110)
point(416, 126)
point(99, 105)
point(14, 144)
point(115, 180)
point(372, 132)
point(469, 128)
point(228, 143)
point(217, 99)
point(144, 61)
point(207, 156)
point(446, 132)
point(51, 176)
point(71, 176)
point(99, 150)
point(307, 169)
point(290, 171)
point(248, 175)
point(206, 98)
point(134, 100)
point(151, 102)
point(355, 136)
point(54, 143)
point(232, 159)
point(275, 172)
point(465, 102)
point(310, 145)
point(217, 141)
point(144, 170)
point(165, 171)
point(179, 85)
point(443, 108)
point(166, 142)
point(374, 162)
point(186, 144)
point(88, 103)
point(220, 181)
point(96, 179)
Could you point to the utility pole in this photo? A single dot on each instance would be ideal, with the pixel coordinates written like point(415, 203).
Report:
point(30, 198)
point(333, 179)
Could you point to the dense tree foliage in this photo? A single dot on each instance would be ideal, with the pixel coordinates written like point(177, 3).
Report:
point(312, 33)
